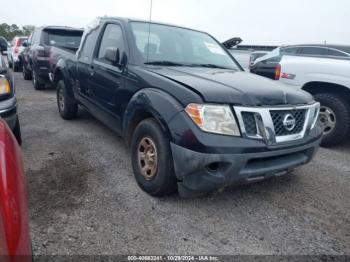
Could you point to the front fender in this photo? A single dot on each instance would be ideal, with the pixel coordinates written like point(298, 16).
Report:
point(159, 104)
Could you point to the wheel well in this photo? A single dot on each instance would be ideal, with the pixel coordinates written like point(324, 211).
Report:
point(139, 116)
point(323, 87)
point(58, 77)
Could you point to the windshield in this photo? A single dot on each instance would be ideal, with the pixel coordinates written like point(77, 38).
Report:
point(177, 46)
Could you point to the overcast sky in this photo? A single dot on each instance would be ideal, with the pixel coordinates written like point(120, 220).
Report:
point(270, 22)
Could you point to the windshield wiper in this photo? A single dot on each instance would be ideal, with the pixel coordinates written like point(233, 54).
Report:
point(164, 63)
point(209, 66)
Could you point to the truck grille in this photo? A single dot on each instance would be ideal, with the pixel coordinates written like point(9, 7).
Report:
point(278, 117)
point(277, 125)
point(249, 123)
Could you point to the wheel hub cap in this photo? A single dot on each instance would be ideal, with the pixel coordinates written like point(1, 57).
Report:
point(147, 158)
point(34, 78)
point(328, 119)
point(61, 99)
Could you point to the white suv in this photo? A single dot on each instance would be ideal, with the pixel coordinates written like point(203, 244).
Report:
point(13, 52)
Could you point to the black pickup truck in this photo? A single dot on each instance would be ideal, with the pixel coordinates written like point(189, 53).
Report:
point(195, 121)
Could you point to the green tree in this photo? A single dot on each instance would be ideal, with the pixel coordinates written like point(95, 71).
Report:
point(28, 29)
point(10, 31)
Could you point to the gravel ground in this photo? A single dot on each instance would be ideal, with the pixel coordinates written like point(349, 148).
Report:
point(84, 200)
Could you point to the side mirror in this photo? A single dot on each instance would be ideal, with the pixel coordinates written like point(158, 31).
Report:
point(124, 60)
point(25, 44)
point(112, 55)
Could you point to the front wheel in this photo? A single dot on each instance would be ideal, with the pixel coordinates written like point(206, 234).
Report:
point(152, 160)
point(67, 107)
point(335, 118)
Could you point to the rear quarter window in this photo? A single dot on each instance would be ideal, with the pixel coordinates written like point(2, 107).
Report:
point(88, 46)
point(333, 52)
point(313, 51)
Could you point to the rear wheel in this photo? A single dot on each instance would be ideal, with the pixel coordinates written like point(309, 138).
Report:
point(36, 82)
point(152, 160)
point(26, 74)
point(67, 107)
point(335, 118)
point(16, 67)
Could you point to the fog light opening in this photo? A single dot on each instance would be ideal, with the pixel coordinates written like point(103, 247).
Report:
point(213, 167)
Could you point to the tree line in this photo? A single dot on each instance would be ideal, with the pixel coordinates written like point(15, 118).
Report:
point(10, 31)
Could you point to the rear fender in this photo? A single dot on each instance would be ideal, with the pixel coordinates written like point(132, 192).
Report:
point(61, 73)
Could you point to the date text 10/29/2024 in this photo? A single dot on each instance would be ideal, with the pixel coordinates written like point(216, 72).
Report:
point(173, 258)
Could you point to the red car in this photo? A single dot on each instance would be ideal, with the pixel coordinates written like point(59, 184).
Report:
point(14, 222)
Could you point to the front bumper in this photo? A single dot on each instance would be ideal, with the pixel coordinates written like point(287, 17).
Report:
point(8, 111)
point(206, 162)
point(201, 173)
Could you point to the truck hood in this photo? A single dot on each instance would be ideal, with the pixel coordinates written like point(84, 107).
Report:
point(234, 87)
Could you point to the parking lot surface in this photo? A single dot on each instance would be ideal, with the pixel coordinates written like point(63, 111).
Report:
point(84, 199)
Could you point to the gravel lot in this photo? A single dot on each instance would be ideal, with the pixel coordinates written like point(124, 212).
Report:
point(84, 200)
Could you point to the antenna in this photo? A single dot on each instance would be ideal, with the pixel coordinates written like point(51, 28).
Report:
point(149, 26)
point(150, 11)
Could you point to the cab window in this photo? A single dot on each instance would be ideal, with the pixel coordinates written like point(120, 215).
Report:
point(112, 38)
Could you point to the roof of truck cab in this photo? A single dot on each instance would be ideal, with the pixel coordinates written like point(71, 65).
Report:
point(344, 48)
point(127, 20)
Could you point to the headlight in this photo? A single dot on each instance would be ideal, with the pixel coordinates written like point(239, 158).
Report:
point(4, 86)
point(216, 119)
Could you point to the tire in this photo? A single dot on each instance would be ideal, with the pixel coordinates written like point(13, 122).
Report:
point(339, 113)
point(163, 181)
point(67, 106)
point(26, 75)
point(36, 83)
point(16, 67)
point(17, 132)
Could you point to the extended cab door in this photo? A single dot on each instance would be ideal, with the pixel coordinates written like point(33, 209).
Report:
point(105, 77)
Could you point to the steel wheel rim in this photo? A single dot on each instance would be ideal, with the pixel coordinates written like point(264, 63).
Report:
point(61, 99)
point(147, 158)
point(328, 119)
point(33, 76)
